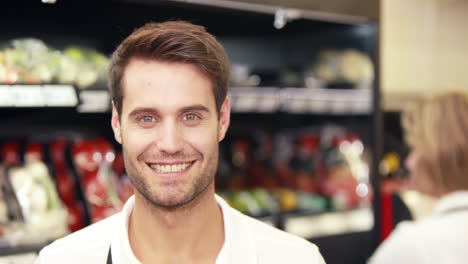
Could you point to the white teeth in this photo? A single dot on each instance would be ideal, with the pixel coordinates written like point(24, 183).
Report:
point(170, 168)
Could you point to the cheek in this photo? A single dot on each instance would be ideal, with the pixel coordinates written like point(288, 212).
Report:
point(421, 183)
point(135, 142)
point(413, 169)
point(203, 139)
point(419, 177)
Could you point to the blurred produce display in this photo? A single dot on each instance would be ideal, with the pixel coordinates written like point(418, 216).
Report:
point(240, 76)
point(340, 68)
point(32, 210)
point(31, 61)
point(50, 188)
point(68, 181)
point(313, 170)
point(93, 160)
point(332, 68)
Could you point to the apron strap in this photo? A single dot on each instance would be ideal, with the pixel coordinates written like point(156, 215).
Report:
point(109, 257)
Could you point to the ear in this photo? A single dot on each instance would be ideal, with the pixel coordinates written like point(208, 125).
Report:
point(115, 122)
point(224, 119)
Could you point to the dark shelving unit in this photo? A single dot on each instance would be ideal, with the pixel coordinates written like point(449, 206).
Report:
point(249, 38)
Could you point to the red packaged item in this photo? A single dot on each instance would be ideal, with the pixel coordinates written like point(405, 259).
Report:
point(93, 159)
point(345, 174)
point(66, 184)
point(11, 154)
point(304, 163)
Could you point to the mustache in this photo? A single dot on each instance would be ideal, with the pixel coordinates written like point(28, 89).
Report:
point(162, 156)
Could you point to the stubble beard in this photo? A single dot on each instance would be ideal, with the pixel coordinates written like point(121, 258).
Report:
point(172, 199)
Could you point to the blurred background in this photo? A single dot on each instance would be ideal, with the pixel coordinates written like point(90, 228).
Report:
point(315, 145)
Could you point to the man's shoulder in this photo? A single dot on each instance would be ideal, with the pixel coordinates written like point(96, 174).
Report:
point(276, 245)
point(89, 236)
point(87, 244)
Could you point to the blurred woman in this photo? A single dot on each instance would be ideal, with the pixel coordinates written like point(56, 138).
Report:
point(436, 129)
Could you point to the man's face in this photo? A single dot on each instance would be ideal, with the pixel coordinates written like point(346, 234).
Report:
point(169, 130)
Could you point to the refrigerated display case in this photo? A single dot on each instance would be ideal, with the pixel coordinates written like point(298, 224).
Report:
point(304, 141)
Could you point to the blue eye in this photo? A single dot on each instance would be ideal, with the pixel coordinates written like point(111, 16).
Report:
point(147, 119)
point(190, 117)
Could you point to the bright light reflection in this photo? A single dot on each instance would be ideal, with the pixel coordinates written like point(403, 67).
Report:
point(362, 190)
point(110, 157)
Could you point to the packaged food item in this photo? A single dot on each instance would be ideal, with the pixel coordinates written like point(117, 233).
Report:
point(30, 188)
point(67, 184)
point(311, 169)
point(93, 160)
point(349, 68)
point(345, 174)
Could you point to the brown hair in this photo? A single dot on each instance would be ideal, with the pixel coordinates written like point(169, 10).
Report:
point(437, 127)
point(173, 41)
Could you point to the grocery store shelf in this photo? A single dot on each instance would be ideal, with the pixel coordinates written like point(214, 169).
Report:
point(54, 95)
point(254, 99)
point(94, 101)
point(329, 223)
point(327, 101)
point(26, 95)
point(243, 99)
point(301, 100)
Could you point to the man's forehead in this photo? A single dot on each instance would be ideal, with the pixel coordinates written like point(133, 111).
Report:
point(153, 82)
point(135, 63)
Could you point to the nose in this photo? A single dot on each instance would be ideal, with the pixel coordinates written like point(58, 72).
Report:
point(170, 140)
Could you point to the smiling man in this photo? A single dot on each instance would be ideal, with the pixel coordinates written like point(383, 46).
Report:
point(170, 111)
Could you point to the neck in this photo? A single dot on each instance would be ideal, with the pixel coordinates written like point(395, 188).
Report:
point(193, 233)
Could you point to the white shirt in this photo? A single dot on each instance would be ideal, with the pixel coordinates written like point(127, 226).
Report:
point(441, 238)
point(246, 241)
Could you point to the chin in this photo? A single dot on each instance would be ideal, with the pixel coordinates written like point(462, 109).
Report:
point(172, 201)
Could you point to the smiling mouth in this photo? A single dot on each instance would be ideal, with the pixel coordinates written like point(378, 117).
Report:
point(170, 168)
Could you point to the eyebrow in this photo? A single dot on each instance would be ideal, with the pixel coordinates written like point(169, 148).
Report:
point(142, 110)
point(198, 107)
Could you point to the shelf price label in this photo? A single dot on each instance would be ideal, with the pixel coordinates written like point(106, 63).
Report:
point(60, 95)
point(330, 223)
point(28, 96)
point(6, 96)
point(38, 96)
point(268, 104)
point(254, 99)
point(94, 101)
point(326, 101)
